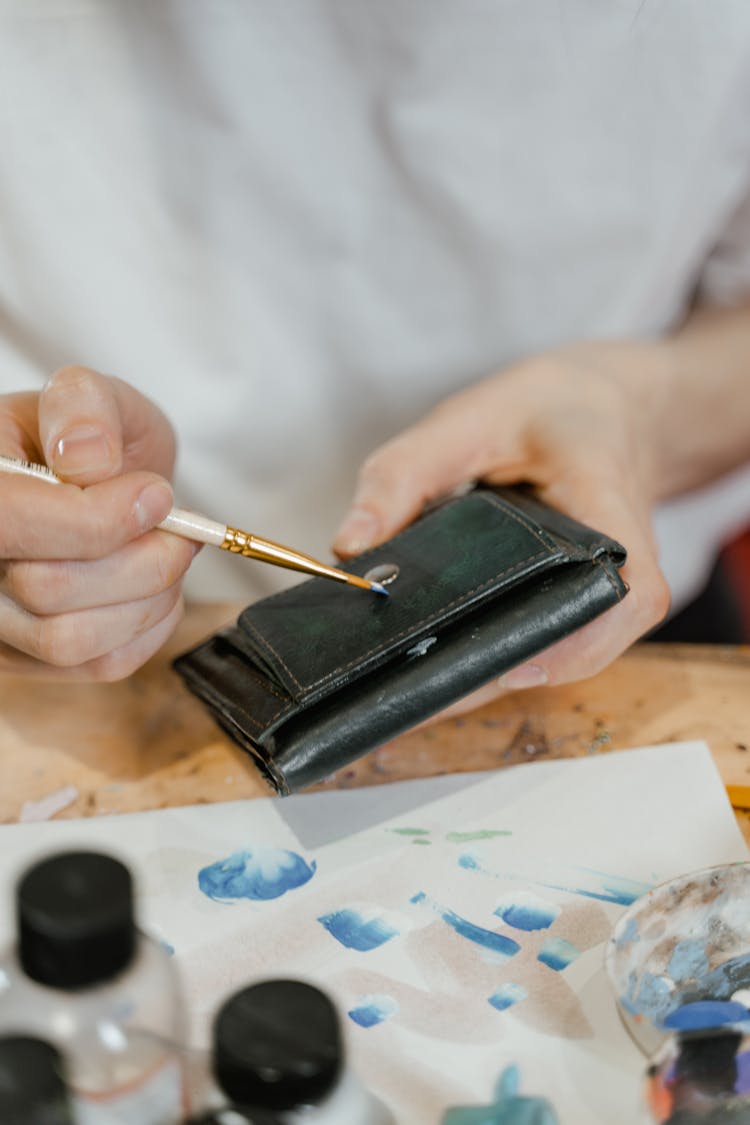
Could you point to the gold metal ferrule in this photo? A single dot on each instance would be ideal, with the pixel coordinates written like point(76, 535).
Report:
point(239, 542)
point(236, 541)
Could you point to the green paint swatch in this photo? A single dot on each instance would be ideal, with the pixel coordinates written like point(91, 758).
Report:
point(481, 834)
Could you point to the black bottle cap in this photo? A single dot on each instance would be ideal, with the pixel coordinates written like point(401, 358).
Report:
point(76, 923)
point(32, 1087)
point(277, 1045)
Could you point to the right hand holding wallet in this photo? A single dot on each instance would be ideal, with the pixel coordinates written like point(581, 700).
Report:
point(316, 676)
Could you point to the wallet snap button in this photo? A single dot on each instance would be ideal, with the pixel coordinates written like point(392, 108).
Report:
point(385, 573)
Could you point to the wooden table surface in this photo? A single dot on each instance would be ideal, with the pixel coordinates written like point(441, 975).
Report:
point(146, 743)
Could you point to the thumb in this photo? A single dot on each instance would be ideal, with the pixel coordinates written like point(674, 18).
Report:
point(425, 462)
point(92, 427)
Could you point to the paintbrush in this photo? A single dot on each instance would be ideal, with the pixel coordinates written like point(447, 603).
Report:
point(191, 525)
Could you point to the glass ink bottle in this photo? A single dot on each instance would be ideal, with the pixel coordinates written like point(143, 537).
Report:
point(277, 1047)
point(32, 1085)
point(83, 976)
point(702, 1075)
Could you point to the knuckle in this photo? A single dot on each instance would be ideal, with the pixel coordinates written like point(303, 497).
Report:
point(39, 588)
point(101, 530)
point(60, 642)
point(124, 661)
point(173, 557)
point(112, 667)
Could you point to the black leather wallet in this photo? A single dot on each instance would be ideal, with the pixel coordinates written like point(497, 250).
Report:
point(311, 678)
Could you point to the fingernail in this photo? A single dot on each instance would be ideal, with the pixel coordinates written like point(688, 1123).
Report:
point(152, 505)
point(525, 676)
point(84, 449)
point(358, 531)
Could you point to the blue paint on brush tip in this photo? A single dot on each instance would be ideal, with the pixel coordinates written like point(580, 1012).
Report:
point(352, 930)
point(378, 589)
point(258, 874)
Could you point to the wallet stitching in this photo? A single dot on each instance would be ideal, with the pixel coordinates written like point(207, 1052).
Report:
point(264, 682)
point(488, 498)
point(265, 686)
point(396, 636)
point(610, 578)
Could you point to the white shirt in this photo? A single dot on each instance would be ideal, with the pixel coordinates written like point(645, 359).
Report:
point(298, 224)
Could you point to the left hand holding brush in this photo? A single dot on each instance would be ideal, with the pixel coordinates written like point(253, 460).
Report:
point(87, 589)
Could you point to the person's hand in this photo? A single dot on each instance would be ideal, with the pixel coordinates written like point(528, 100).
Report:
point(575, 425)
point(87, 589)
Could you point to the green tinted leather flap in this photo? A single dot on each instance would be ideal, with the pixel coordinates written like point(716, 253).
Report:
point(312, 638)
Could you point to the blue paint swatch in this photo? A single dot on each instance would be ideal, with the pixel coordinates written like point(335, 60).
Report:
point(557, 953)
point(621, 892)
point(507, 995)
point(490, 940)
point(372, 1010)
point(528, 913)
point(704, 1014)
point(657, 997)
point(652, 996)
point(688, 960)
point(259, 874)
point(353, 931)
point(613, 888)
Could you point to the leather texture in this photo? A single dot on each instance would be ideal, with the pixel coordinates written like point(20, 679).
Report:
point(312, 678)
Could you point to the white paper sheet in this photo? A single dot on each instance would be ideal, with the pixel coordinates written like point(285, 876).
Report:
point(461, 931)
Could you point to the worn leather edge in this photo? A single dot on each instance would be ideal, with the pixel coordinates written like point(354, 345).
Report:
point(315, 741)
point(561, 540)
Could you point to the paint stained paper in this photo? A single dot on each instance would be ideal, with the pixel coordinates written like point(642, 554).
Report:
point(459, 924)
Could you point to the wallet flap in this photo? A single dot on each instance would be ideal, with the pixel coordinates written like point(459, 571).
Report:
point(455, 557)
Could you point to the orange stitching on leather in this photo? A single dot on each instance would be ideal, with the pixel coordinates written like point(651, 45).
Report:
point(396, 636)
point(488, 498)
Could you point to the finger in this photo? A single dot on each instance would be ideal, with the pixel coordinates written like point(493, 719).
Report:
point(92, 427)
point(457, 443)
point(606, 505)
point(114, 665)
point(19, 426)
point(585, 652)
point(143, 568)
point(579, 656)
point(71, 639)
point(588, 650)
point(43, 521)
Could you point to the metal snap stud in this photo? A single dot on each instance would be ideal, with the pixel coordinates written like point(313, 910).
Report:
point(384, 573)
